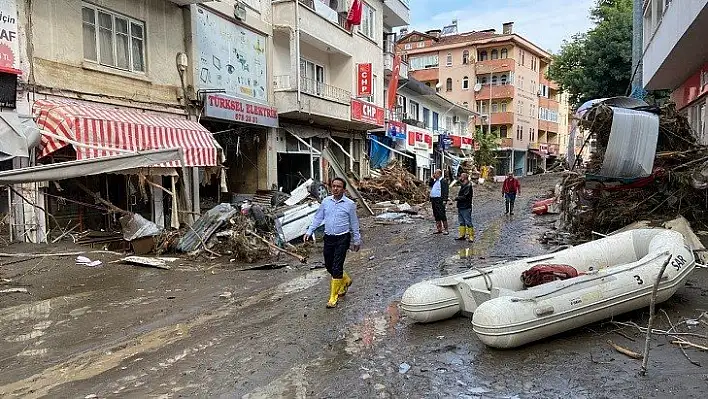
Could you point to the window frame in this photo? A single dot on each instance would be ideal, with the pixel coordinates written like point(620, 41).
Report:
point(368, 21)
point(131, 37)
point(448, 84)
point(465, 83)
point(448, 60)
point(482, 55)
point(494, 55)
point(504, 53)
point(465, 57)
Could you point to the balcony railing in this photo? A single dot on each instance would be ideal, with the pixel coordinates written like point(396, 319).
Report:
point(324, 11)
point(312, 87)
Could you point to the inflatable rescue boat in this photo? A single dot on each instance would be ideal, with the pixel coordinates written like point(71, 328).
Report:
point(614, 275)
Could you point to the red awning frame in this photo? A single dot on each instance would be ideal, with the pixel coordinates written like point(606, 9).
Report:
point(105, 131)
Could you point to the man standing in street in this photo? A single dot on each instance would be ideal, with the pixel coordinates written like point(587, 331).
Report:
point(510, 188)
point(439, 191)
point(464, 209)
point(341, 228)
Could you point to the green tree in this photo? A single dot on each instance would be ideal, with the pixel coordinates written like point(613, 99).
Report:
point(598, 63)
point(488, 144)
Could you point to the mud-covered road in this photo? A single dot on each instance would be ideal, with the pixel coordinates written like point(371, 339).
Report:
point(126, 331)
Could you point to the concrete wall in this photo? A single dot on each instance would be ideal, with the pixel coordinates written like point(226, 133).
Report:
point(56, 57)
point(457, 71)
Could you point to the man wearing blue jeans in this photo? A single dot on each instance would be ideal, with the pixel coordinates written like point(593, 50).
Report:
point(464, 209)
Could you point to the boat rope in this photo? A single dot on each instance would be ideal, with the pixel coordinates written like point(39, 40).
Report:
point(485, 275)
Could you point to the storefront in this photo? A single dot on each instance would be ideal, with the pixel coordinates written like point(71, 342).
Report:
point(242, 128)
point(420, 145)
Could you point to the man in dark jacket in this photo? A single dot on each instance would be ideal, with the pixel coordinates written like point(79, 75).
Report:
point(464, 209)
point(439, 192)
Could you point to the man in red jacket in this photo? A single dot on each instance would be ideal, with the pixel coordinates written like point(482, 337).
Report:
point(510, 188)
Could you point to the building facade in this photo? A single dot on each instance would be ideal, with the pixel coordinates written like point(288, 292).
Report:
point(503, 78)
point(675, 56)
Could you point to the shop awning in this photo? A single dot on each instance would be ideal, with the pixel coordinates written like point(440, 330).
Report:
point(91, 166)
point(101, 131)
point(539, 153)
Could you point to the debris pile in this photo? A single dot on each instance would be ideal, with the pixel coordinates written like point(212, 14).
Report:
point(394, 183)
point(676, 186)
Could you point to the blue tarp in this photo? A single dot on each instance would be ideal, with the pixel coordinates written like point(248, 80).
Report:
point(379, 155)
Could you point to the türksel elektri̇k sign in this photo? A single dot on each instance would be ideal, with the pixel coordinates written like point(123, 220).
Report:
point(222, 106)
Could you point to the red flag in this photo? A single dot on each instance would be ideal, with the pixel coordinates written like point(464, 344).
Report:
point(354, 15)
point(393, 84)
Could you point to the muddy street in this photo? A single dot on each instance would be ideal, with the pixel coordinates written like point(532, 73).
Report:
point(214, 329)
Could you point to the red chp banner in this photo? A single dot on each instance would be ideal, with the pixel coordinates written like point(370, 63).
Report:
point(363, 80)
point(393, 84)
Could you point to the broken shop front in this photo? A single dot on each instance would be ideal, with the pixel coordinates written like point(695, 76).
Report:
point(243, 128)
point(420, 145)
point(99, 162)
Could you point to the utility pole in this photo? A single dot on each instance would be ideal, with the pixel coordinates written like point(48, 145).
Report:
point(637, 49)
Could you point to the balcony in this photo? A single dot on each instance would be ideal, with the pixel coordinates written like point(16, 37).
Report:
point(498, 118)
point(548, 103)
point(550, 127)
point(552, 85)
point(674, 41)
point(506, 143)
point(498, 91)
point(494, 66)
point(426, 75)
point(320, 26)
point(396, 13)
point(329, 103)
point(188, 2)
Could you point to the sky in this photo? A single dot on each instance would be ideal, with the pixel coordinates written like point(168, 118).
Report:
point(546, 23)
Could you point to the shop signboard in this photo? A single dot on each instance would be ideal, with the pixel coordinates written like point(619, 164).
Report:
point(366, 112)
point(396, 130)
point(421, 139)
point(230, 108)
point(228, 56)
point(9, 45)
point(363, 80)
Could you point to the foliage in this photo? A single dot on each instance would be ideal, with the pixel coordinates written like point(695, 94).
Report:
point(598, 63)
point(488, 144)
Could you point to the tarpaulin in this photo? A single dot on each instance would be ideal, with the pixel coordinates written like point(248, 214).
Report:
point(379, 155)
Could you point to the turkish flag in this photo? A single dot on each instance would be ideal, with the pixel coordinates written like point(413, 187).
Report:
point(354, 15)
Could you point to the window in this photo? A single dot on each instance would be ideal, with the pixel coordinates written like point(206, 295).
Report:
point(408, 46)
point(483, 80)
point(503, 132)
point(495, 108)
point(448, 84)
point(521, 82)
point(436, 121)
point(368, 21)
point(495, 54)
point(313, 77)
point(503, 107)
point(423, 62)
point(420, 44)
point(519, 107)
point(482, 56)
point(113, 40)
point(426, 117)
point(532, 135)
point(504, 53)
point(414, 110)
point(530, 109)
point(523, 58)
point(503, 80)
point(465, 83)
point(519, 132)
point(448, 122)
point(494, 80)
point(465, 57)
point(449, 59)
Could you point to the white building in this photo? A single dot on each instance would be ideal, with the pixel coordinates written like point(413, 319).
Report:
point(675, 55)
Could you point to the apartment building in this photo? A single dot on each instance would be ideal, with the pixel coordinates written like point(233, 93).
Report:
point(500, 76)
point(675, 56)
point(318, 67)
point(105, 79)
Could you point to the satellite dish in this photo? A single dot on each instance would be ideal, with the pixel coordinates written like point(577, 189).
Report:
point(477, 87)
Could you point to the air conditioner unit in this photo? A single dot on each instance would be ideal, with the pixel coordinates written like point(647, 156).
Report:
point(240, 11)
point(341, 6)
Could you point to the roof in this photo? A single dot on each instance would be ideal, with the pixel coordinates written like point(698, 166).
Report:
point(477, 38)
point(429, 93)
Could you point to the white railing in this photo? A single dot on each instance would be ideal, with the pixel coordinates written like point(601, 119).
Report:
point(312, 87)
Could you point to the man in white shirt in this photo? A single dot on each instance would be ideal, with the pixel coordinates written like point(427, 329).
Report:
point(439, 191)
point(341, 228)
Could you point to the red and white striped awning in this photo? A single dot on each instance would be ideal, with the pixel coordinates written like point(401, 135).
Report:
point(102, 128)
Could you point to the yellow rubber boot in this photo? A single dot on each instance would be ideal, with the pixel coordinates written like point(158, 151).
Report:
point(334, 286)
point(462, 230)
point(346, 282)
point(470, 233)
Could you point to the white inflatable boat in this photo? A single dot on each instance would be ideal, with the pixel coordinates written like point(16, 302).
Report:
point(617, 274)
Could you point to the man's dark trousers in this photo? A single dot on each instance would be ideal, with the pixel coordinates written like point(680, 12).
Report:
point(335, 252)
